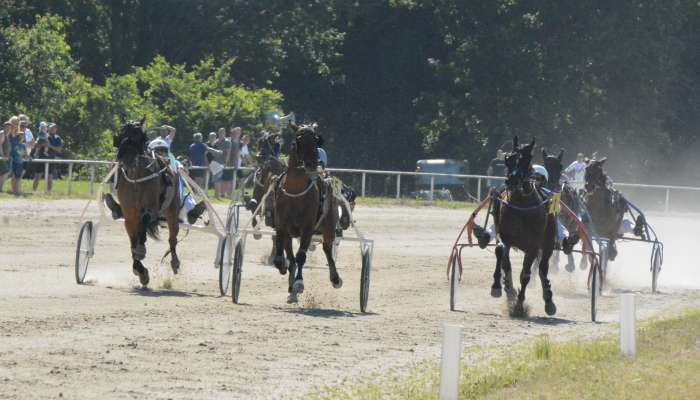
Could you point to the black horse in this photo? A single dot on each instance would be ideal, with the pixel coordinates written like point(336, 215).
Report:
point(523, 221)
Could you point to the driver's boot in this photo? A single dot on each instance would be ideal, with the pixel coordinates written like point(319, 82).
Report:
point(482, 237)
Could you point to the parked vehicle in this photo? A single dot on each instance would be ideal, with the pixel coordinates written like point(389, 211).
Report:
point(455, 186)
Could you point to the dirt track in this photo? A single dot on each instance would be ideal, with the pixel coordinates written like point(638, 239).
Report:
point(110, 339)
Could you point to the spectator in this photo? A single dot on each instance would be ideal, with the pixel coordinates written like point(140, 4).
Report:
point(576, 171)
point(167, 133)
point(222, 159)
point(198, 157)
point(245, 159)
point(55, 148)
point(40, 151)
point(4, 153)
point(497, 167)
point(24, 123)
point(18, 153)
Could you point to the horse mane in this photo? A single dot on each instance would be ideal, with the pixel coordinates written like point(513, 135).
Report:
point(131, 141)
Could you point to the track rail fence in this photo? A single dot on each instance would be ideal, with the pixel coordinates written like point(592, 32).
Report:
point(400, 184)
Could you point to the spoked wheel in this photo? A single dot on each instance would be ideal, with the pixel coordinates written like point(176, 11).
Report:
point(453, 283)
point(597, 278)
point(225, 264)
point(364, 279)
point(83, 251)
point(655, 267)
point(237, 272)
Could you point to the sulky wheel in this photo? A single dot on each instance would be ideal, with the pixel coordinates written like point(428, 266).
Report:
point(655, 267)
point(597, 278)
point(225, 264)
point(364, 279)
point(83, 251)
point(237, 272)
point(453, 283)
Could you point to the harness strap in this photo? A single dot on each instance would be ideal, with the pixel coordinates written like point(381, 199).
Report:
point(312, 184)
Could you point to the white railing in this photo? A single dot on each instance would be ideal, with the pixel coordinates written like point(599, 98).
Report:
point(93, 164)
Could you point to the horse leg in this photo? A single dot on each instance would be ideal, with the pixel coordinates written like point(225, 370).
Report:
point(136, 231)
point(549, 307)
point(496, 287)
point(289, 251)
point(173, 230)
point(305, 241)
point(519, 309)
point(508, 274)
point(612, 251)
point(278, 259)
point(328, 240)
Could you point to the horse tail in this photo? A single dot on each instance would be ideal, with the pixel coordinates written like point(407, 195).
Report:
point(150, 223)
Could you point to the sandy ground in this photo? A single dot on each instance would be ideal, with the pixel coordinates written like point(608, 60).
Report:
point(111, 339)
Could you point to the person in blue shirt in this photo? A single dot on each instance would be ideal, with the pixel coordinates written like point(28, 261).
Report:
point(18, 152)
point(198, 157)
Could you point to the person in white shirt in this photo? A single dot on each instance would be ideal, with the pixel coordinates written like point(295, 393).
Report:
point(167, 133)
point(576, 171)
point(244, 157)
point(24, 127)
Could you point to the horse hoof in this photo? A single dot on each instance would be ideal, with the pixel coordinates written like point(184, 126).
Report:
point(519, 310)
point(312, 247)
point(496, 292)
point(338, 283)
point(280, 264)
point(298, 287)
point(550, 308)
point(570, 267)
point(257, 236)
point(292, 298)
point(143, 278)
point(511, 294)
point(175, 265)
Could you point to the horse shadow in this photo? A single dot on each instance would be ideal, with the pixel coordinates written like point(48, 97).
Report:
point(324, 312)
point(548, 321)
point(148, 292)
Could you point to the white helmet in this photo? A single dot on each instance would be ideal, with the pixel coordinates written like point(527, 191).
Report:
point(541, 171)
point(158, 143)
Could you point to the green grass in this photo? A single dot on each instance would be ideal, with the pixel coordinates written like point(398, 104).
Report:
point(81, 190)
point(667, 366)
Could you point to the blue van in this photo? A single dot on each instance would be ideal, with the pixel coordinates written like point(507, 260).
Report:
point(443, 166)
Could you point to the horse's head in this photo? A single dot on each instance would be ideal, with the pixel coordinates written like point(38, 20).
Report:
point(554, 167)
point(518, 165)
point(304, 151)
point(595, 176)
point(131, 141)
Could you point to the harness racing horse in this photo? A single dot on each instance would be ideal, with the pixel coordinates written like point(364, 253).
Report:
point(554, 167)
point(146, 190)
point(606, 206)
point(523, 221)
point(269, 166)
point(298, 196)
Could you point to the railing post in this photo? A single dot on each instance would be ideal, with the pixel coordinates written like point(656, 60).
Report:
point(206, 181)
point(667, 205)
point(398, 186)
point(92, 179)
point(70, 177)
point(478, 188)
point(364, 177)
point(46, 177)
point(432, 186)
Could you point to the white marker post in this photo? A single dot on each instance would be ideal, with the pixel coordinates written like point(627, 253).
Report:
point(449, 367)
point(628, 332)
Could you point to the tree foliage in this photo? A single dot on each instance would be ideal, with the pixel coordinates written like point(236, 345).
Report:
point(389, 81)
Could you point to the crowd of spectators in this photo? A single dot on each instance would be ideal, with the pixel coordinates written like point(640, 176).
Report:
point(19, 147)
point(223, 152)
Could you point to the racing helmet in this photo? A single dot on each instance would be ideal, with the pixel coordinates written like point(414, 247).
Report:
point(158, 144)
point(540, 171)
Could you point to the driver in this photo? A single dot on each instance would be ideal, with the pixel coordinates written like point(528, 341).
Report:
point(190, 210)
point(540, 178)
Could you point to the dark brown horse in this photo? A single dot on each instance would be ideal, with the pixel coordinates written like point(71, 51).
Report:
point(554, 167)
point(146, 190)
point(300, 195)
point(606, 206)
point(523, 221)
